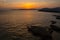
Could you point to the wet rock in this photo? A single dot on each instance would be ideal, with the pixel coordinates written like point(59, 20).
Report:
point(57, 16)
point(55, 28)
point(53, 22)
point(44, 32)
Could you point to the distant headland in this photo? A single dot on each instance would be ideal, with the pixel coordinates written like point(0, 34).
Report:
point(57, 9)
point(24, 9)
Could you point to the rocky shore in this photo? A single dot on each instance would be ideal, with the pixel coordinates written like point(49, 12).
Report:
point(45, 33)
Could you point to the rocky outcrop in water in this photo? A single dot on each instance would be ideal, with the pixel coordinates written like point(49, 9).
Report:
point(57, 16)
point(54, 27)
point(44, 32)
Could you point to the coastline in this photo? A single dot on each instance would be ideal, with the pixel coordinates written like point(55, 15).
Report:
point(56, 10)
point(49, 11)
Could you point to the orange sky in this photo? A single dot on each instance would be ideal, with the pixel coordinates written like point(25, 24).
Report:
point(32, 5)
point(27, 5)
point(24, 5)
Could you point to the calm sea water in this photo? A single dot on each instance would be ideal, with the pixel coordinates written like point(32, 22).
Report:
point(13, 24)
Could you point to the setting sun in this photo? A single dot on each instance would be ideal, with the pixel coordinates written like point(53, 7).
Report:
point(28, 5)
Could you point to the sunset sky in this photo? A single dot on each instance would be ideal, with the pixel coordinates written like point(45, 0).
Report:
point(28, 4)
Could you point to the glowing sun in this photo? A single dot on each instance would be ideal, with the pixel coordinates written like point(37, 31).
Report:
point(28, 5)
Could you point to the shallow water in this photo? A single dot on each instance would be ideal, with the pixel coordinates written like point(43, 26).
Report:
point(13, 24)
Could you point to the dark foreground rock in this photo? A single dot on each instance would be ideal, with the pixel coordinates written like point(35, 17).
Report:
point(44, 32)
point(57, 16)
point(53, 22)
point(55, 28)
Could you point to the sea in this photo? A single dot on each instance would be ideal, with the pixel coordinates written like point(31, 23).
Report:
point(13, 24)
